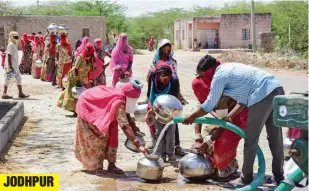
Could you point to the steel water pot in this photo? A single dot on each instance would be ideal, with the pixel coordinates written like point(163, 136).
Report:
point(140, 112)
point(150, 168)
point(140, 137)
point(166, 107)
point(195, 166)
point(77, 91)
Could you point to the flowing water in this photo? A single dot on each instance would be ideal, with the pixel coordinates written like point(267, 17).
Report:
point(161, 136)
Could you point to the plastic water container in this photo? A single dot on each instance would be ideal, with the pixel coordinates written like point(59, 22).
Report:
point(291, 111)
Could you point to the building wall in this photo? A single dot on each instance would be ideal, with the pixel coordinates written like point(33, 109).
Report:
point(230, 35)
point(181, 33)
point(29, 24)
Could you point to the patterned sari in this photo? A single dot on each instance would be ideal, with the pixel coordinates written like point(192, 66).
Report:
point(64, 63)
point(66, 100)
point(26, 60)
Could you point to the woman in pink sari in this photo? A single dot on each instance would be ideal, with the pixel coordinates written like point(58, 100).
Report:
point(100, 110)
point(80, 49)
point(122, 59)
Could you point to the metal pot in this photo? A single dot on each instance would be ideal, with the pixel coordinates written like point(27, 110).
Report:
point(166, 107)
point(287, 146)
point(38, 63)
point(11, 77)
point(52, 28)
point(64, 81)
point(150, 168)
point(140, 112)
point(122, 81)
point(196, 167)
point(129, 145)
point(77, 91)
point(63, 29)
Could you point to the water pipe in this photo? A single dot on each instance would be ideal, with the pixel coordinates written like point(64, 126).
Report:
point(296, 177)
point(227, 125)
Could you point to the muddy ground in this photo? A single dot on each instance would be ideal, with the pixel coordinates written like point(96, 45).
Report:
point(45, 141)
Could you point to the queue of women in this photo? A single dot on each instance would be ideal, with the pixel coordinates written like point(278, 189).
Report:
point(102, 108)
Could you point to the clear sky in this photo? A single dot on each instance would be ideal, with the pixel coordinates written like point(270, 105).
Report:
point(137, 7)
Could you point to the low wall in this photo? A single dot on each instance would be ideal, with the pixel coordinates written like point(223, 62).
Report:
point(218, 51)
point(11, 116)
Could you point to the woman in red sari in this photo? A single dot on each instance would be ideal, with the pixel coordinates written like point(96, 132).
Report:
point(101, 110)
point(222, 145)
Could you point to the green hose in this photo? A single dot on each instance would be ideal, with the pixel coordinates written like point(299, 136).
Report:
point(227, 125)
point(296, 176)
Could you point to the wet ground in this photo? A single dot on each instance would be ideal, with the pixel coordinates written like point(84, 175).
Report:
point(44, 143)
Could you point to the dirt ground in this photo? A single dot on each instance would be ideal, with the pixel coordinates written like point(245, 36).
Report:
point(45, 142)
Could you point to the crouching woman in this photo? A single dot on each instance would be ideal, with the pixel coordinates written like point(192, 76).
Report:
point(100, 110)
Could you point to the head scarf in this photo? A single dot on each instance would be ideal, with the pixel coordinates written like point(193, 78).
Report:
point(158, 88)
point(98, 105)
point(64, 42)
point(162, 43)
point(80, 49)
point(98, 44)
point(36, 43)
point(98, 54)
point(52, 42)
point(30, 37)
point(23, 40)
point(11, 37)
point(119, 58)
point(87, 51)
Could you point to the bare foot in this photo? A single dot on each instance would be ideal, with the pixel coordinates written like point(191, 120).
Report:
point(114, 169)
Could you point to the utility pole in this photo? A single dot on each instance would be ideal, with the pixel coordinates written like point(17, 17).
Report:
point(37, 3)
point(289, 35)
point(253, 26)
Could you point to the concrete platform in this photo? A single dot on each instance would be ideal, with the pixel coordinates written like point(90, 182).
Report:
point(11, 115)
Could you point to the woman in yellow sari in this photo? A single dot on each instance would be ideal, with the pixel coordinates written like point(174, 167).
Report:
point(78, 76)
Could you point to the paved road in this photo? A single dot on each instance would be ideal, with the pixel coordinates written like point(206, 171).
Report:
point(46, 140)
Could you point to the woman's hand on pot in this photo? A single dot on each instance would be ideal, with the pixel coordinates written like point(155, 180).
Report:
point(228, 119)
point(203, 148)
point(143, 149)
point(150, 118)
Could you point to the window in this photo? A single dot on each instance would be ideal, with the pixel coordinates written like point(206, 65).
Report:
point(183, 34)
point(245, 34)
point(85, 32)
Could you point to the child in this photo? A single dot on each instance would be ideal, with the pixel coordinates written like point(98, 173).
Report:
point(162, 82)
point(3, 55)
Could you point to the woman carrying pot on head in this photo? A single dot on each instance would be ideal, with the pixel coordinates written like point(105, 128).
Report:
point(162, 82)
point(49, 64)
point(77, 76)
point(63, 57)
point(164, 53)
point(37, 55)
point(97, 77)
point(100, 111)
point(222, 144)
point(122, 59)
point(26, 60)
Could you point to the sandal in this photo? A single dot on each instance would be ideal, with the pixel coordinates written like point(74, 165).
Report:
point(23, 96)
point(114, 169)
point(6, 97)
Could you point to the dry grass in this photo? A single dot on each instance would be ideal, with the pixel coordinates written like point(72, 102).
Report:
point(268, 60)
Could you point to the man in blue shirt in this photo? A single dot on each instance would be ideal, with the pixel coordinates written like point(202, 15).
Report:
point(253, 88)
